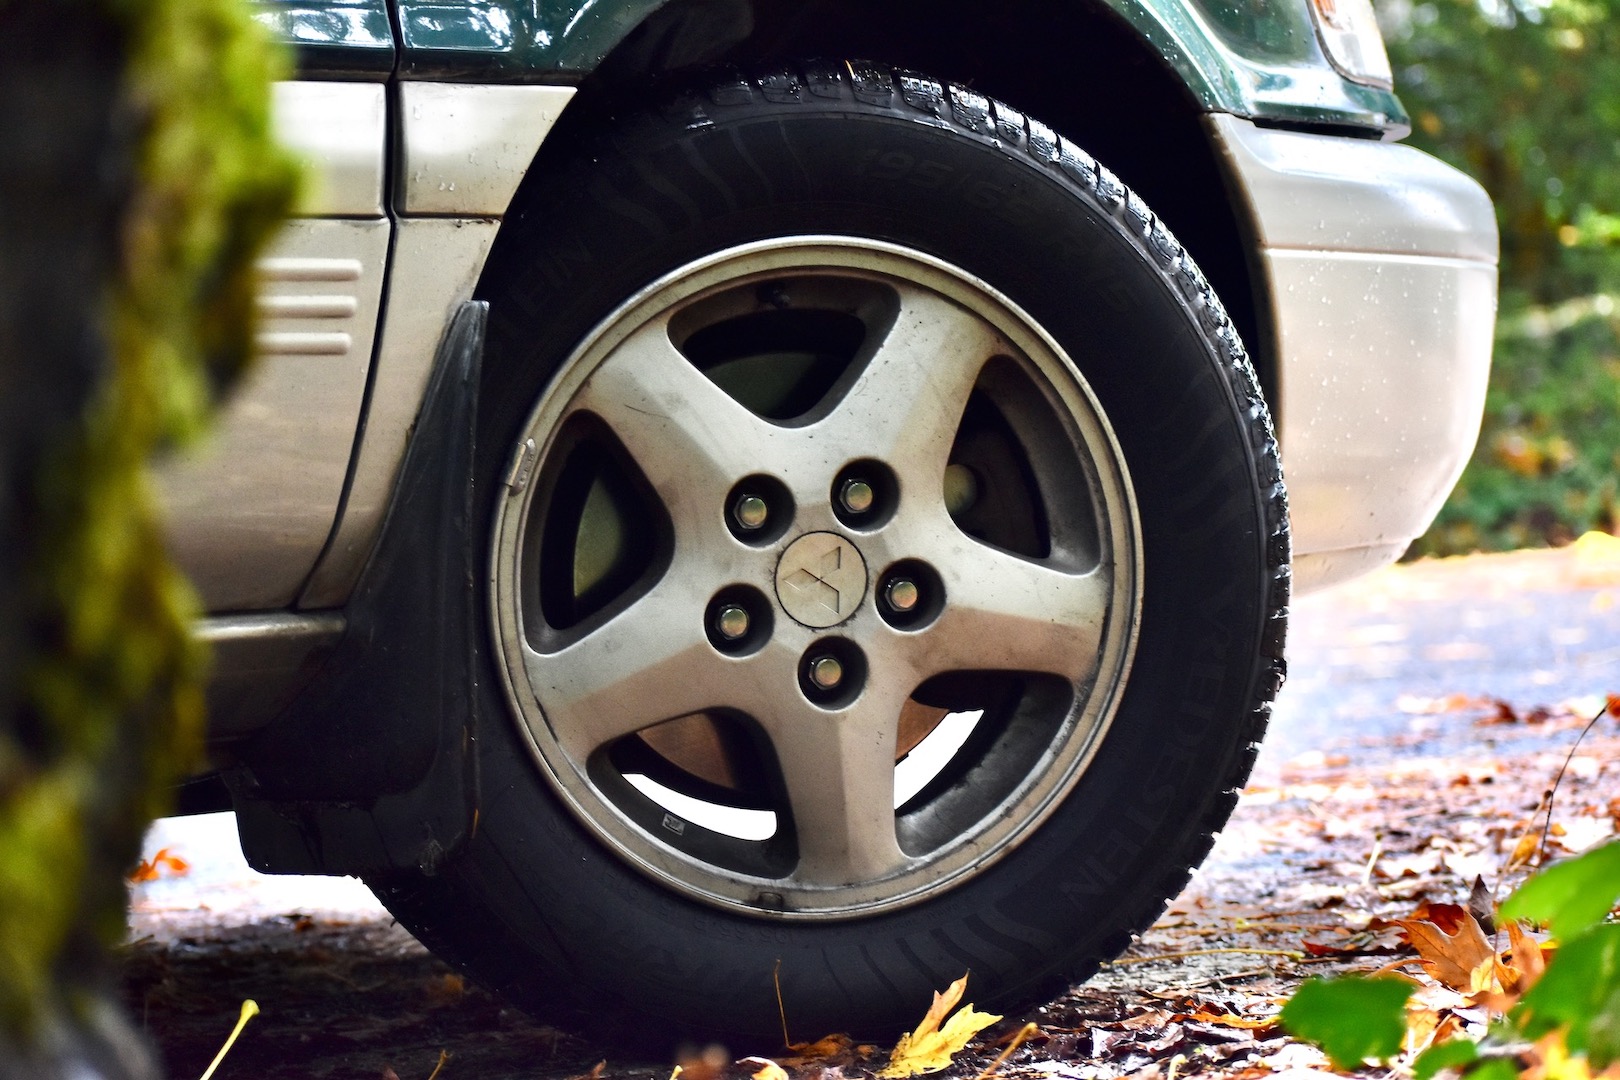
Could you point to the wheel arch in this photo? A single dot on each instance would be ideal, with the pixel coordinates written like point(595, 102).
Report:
point(1136, 98)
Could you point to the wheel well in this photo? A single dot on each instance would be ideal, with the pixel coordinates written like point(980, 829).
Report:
point(1077, 66)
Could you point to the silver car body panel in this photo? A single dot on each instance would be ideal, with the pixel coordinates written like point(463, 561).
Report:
point(466, 148)
point(337, 130)
point(1380, 263)
point(249, 510)
point(436, 264)
point(465, 151)
point(250, 513)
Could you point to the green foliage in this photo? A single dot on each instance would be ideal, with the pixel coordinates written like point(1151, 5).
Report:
point(1549, 453)
point(1499, 1068)
point(1353, 1019)
point(1581, 986)
point(1603, 1033)
point(1572, 896)
point(112, 686)
point(1524, 96)
point(1446, 1055)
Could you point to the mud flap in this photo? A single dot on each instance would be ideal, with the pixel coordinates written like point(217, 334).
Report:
point(371, 769)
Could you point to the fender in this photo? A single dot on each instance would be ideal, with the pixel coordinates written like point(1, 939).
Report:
point(1260, 61)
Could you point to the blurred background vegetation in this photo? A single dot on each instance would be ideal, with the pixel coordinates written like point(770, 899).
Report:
point(1525, 96)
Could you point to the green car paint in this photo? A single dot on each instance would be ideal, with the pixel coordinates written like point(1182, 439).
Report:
point(1259, 59)
point(349, 39)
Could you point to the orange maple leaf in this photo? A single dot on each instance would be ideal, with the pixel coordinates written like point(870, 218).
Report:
point(1463, 961)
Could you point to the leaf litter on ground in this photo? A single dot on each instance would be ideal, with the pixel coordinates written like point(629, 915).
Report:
point(1534, 1011)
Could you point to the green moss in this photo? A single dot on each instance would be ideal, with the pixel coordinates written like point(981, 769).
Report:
point(113, 686)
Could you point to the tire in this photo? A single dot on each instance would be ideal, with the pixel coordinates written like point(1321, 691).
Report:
point(951, 420)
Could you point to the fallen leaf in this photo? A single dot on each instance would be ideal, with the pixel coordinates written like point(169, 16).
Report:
point(1463, 961)
point(936, 1040)
point(1524, 849)
point(1482, 905)
point(447, 988)
point(1551, 1060)
point(1147, 1019)
point(764, 1068)
point(827, 1051)
point(1207, 1015)
point(1527, 962)
point(1578, 995)
point(1448, 917)
point(154, 868)
point(1584, 832)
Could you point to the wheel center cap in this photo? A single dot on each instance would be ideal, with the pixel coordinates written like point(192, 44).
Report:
point(821, 579)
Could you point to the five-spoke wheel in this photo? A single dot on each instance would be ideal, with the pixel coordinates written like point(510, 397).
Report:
point(826, 580)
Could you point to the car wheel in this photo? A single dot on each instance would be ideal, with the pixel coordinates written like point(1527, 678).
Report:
point(887, 572)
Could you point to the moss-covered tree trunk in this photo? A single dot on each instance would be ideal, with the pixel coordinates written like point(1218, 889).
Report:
point(137, 180)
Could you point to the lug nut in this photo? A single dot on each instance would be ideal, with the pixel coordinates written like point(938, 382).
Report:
point(856, 495)
point(826, 672)
point(750, 512)
point(901, 594)
point(731, 622)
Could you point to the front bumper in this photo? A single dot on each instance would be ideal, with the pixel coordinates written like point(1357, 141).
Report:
point(1380, 267)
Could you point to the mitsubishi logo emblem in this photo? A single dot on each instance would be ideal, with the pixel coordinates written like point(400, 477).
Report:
point(821, 579)
point(813, 584)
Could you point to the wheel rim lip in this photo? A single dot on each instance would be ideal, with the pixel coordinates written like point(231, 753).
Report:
point(1119, 524)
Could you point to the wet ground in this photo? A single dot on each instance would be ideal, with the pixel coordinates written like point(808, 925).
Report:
point(1430, 709)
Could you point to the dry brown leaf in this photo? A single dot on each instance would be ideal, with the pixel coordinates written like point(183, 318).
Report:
point(1528, 959)
point(1482, 905)
point(1525, 963)
point(1463, 961)
point(827, 1051)
point(1207, 1015)
point(937, 1040)
point(1524, 849)
point(446, 989)
point(1147, 1019)
point(1448, 917)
